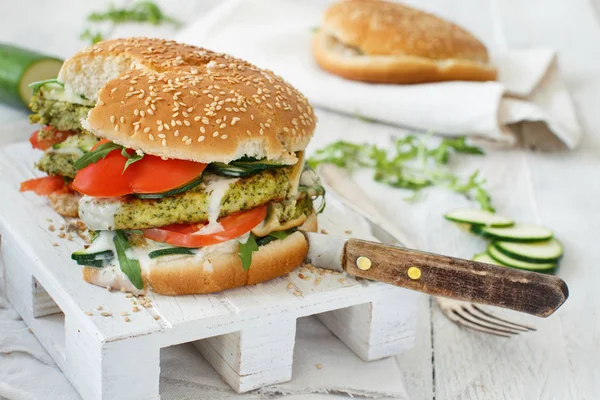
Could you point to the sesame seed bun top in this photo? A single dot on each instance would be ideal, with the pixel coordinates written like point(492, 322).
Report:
point(180, 101)
point(383, 28)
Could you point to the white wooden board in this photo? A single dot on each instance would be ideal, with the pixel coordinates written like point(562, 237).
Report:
point(248, 332)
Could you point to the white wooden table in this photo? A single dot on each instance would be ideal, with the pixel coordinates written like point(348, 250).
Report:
point(562, 359)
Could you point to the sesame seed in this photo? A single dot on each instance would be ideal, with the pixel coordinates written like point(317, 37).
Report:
point(175, 115)
point(117, 128)
point(142, 113)
point(136, 112)
point(186, 122)
point(216, 133)
point(197, 118)
point(112, 119)
point(113, 90)
point(146, 129)
point(137, 128)
point(164, 142)
point(122, 119)
point(188, 142)
point(167, 127)
point(249, 133)
point(262, 132)
point(151, 137)
point(176, 133)
point(224, 137)
point(162, 135)
point(252, 117)
point(201, 138)
point(150, 111)
point(160, 128)
point(222, 126)
point(184, 139)
point(234, 120)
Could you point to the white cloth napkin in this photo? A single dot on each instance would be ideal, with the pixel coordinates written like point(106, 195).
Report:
point(277, 35)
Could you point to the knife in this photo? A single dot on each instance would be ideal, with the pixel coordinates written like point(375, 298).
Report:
point(438, 275)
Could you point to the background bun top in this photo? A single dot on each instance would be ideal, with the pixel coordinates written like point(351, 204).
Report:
point(383, 28)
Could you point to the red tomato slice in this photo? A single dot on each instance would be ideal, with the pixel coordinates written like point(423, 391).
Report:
point(50, 139)
point(233, 226)
point(44, 186)
point(151, 174)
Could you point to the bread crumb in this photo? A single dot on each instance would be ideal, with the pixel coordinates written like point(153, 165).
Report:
point(124, 313)
point(51, 228)
point(129, 295)
point(297, 293)
point(341, 280)
point(348, 232)
point(106, 314)
point(135, 309)
point(290, 285)
point(318, 280)
point(88, 313)
point(157, 317)
point(55, 244)
point(126, 319)
point(99, 308)
point(319, 366)
point(109, 288)
point(62, 235)
point(301, 275)
point(324, 231)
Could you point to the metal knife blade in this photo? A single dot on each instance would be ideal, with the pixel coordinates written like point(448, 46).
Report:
point(439, 275)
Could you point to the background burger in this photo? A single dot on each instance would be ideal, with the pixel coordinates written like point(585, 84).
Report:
point(198, 183)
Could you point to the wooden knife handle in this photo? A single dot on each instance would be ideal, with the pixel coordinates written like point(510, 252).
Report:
point(465, 280)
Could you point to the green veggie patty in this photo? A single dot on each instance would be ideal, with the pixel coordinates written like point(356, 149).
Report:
point(57, 114)
point(193, 205)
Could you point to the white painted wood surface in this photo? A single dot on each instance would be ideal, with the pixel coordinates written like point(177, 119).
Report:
point(249, 331)
point(561, 360)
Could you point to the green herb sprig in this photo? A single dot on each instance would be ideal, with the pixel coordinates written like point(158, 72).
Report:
point(130, 267)
point(411, 165)
point(92, 37)
point(246, 250)
point(131, 158)
point(140, 12)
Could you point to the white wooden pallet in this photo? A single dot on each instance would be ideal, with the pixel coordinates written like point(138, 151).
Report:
point(246, 334)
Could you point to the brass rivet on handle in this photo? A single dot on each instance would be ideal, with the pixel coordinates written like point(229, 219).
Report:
point(413, 273)
point(363, 263)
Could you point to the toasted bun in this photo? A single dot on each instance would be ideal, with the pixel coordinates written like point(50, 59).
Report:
point(216, 271)
point(180, 101)
point(378, 41)
point(66, 204)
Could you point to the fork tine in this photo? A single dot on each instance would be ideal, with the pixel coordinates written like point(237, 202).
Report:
point(485, 319)
point(468, 325)
point(529, 328)
point(507, 332)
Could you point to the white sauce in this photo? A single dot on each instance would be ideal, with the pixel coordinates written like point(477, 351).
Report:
point(216, 188)
point(66, 150)
point(98, 214)
point(309, 178)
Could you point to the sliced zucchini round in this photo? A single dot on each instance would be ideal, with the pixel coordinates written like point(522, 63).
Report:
point(478, 217)
point(548, 251)
point(20, 67)
point(515, 233)
point(172, 192)
point(170, 251)
point(547, 268)
point(487, 259)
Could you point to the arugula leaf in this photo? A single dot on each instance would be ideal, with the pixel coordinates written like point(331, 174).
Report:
point(246, 250)
point(130, 267)
point(92, 37)
point(411, 164)
point(140, 12)
point(35, 86)
point(95, 155)
point(131, 158)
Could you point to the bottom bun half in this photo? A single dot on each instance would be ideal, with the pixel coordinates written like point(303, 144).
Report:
point(180, 275)
point(401, 69)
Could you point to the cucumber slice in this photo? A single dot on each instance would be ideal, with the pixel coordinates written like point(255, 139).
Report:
point(83, 255)
point(515, 233)
point(170, 251)
point(172, 192)
point(20, 67)
point(548, 251)
point(229, 170)
point(497, 255)
point(478, 217)
point(487, 259)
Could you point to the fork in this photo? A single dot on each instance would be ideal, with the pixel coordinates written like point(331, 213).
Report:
point(339, 185)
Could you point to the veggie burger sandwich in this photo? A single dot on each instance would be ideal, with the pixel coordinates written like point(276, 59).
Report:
point(189, 165)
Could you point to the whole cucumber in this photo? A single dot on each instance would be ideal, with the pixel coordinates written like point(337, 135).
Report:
point(18, 68)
